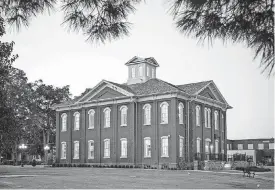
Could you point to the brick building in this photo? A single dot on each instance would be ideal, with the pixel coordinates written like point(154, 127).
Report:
point(144, 121)
point(260, 150)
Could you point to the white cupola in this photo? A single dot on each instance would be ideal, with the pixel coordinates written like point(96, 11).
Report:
point(141, 69)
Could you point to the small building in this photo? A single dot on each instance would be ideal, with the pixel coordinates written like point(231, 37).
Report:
point(145, 121)
point(259, 150)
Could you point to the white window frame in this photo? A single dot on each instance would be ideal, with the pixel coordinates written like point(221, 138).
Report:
point(207, 118)
point(207, 145)
point(198, 145)
point(270, 145)
point(147, 114)
point(91, 118)
point(148, 71)
point(164, 149)
point(63, 150)
point(260, 147)
point(123, 148)
point(250, 146)
point(181, 108)
point(216, 146)
point(140, 71)
point(147, 147)
point(133, 72)
point(76, 121)
point(107, 148)
point(107, 118)
point(240, 146)
point(198, 115)
point(63, 122)
point(123, 115)
point(153, 72)
point(76, 150)
point(164, 106)
point(216, 120)
point(181, 146)
point(90, 149)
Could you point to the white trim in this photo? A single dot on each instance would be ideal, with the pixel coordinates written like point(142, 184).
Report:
point(108, 84)
point(123, 139)
point(144, 155)
point(108, 149)
point(167, 119)
point(144, 113)
point(146, 106)
point(123, 107)
point(63, 116)
point(208, 140)
point(76, 114)
point(64, 156)
point(164, 103)
point(198, 114)
point(76, 157)
point(89, 157)
point(91, 112)
point(165, 156)
point(104, 116)
point(181, 107)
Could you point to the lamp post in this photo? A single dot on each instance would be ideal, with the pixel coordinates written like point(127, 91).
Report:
point(22, 147)
point(46, 148)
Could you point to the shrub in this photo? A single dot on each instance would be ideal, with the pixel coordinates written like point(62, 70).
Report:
point(89, 166)
point(60, 165)
point(65, 165)
point(131, 166)
point(53, 165)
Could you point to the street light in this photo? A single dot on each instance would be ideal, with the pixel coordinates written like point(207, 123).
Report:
point(22, 147)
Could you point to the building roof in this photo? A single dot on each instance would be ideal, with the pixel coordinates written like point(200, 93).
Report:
point(137, 60)
point(193, 88)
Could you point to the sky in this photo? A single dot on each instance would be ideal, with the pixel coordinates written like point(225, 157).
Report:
point(49, 52)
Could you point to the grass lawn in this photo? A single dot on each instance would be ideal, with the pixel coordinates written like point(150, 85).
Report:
point(92, 178)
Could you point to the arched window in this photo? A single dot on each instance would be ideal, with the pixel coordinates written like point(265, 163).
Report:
point(123, 142)
point(107, 115)
point(198, 115)
point(198, 145)
point(164, 112)
point(147, 114)
point(140, 71)
point(91, 115)
point(64, 122)
point(209, 118)
point(181, 146)
point(106, 148)
point(147, 147)
point(123, 110)
point(181, 106)
point(207, 145)
point(91, 149)
point(133, 72)
point(216, 120)
point(76, 120)
point(76, 150)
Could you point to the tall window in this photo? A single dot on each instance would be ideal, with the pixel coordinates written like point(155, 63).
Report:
point(107, 114)
point(147, 114)
point(222, 125)
point(216, 114)
point(181, 106)
point(123, 110)
point(123, 143)
point(271, 145)
point(148, 71)
point(164, 146)
point(140, 71)
point(91, 115)
point(107, 148)
point(198, 115)
point(76, 120)
point(153, 72)
point(63, 150)
point(222, 146)
point(164, 112)
point(261, 146)
point(147, 147)
point(250, 146)
point(64, 122)
point(240, 146)
point(181, 146)
point(207, 145)
point(207, 117)
point(133, 72)
point(198, 145)
point(216, 146)
point(91, 149)
point(76, 149)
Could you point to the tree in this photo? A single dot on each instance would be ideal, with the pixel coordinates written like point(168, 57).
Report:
point(248, 21)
